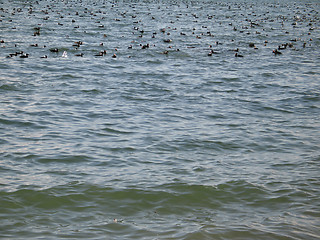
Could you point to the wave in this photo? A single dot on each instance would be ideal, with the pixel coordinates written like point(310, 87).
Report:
point(231, 210)
point(8, 87)
point(19, 123)
point(166, 197)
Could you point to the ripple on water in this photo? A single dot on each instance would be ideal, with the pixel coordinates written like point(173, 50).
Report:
point(163, 140)
point(8, 87)
point(130, 208)
point(19, 123)
point(72, 159)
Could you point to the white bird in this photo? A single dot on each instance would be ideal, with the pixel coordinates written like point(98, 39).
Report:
point(65, 55)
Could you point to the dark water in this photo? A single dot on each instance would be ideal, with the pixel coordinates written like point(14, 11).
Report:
point(162, 141)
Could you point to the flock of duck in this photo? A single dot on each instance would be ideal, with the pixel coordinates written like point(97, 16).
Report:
point(138, 27)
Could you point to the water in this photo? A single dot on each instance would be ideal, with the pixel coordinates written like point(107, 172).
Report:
point(154, 144)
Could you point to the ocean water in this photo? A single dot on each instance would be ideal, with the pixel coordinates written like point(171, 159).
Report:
point(173, 137)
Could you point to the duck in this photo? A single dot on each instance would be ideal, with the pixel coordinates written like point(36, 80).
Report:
point(212, 52)
point(238, 55)
point(77, 44)
point(145, 46)
point(276, 52)
point(54, 50)
point(13, 54)
point(24, 55)
point(101, 53)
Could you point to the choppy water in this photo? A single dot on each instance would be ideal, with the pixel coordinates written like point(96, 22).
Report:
point(154, 144)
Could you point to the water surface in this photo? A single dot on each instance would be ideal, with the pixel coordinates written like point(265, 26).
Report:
point(161, 141)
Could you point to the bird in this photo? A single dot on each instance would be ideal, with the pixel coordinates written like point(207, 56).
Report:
point(212, 52)
point(24, 55)
point(238, 55)
point(64, 54)
point(145, 46)
point(276, 52)
point(101, 53)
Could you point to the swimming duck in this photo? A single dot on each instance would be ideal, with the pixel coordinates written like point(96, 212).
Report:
point(276, 52)
point(77, 44)
point(101, 53)
point(212, 52)
point(145, 46)
point(24, 55)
